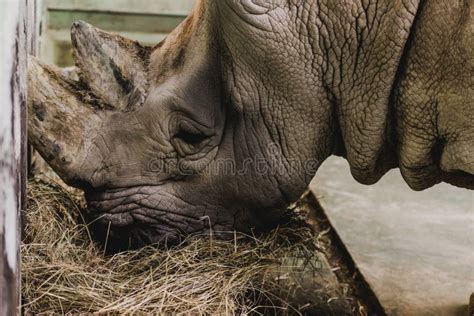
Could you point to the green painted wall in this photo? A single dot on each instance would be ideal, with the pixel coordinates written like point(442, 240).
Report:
point(147, 21)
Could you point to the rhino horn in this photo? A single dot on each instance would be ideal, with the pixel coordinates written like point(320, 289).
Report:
point(115, 68)
point(62, 122)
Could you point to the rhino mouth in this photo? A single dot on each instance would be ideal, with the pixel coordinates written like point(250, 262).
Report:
point(131, 218)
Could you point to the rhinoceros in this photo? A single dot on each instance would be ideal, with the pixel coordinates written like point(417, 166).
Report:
point(224, 123)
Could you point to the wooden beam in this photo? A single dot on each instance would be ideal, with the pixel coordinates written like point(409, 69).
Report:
point(17, 34)
point(142, 23)
point(167, 7)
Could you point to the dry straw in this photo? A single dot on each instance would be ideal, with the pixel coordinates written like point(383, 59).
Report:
point(64, 271)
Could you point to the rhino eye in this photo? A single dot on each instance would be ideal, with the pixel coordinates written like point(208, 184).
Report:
point(190, 137)
point(189, 133)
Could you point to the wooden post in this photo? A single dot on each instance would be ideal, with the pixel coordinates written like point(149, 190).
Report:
point(18, 36)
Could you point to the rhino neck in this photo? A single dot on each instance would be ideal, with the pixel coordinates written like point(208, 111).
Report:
point(361, 73)
point(322, 79)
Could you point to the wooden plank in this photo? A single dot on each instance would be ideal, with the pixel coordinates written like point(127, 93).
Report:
point(9, 157)
point(165, 7)
point(17, 39)
point(149, 23)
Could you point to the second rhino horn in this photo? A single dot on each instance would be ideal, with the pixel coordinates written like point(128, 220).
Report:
point(115, 68)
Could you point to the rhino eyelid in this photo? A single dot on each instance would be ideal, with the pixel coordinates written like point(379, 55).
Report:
point(191, 125)
point(191, 138)
point(191, 132)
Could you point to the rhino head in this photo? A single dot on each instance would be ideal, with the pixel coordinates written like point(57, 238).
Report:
point(225, 122)
point(153, 136)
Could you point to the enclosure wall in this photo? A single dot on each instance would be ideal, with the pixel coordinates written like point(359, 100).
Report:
point(18, 32)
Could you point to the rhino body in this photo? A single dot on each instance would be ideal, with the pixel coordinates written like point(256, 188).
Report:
point(224, 123)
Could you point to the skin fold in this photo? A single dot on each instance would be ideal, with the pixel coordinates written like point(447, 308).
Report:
point(224, 123)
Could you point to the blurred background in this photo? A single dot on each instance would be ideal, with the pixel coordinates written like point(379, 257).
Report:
point(416, 249)
point(143, 20)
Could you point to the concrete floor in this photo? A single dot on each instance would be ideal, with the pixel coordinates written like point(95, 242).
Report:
point(416, 249)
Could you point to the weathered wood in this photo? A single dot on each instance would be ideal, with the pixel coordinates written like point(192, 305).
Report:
point(164, 7)
point(17, 33)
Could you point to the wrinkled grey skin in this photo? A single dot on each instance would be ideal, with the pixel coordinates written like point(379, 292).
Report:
point(271, 88)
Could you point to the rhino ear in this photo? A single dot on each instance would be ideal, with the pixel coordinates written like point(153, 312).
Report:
point(113, 67)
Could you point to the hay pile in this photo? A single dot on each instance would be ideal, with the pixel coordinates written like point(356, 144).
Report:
point(64, 271)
